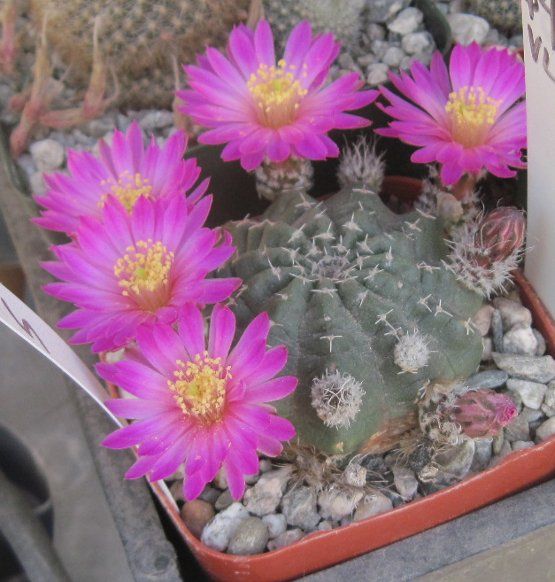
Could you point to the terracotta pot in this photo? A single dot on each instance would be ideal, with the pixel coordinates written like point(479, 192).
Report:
point(319, 550)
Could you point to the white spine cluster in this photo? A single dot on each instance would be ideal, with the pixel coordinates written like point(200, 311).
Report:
point(293, 174)
point(361, 164)
point(337, 398)
point(411, 352)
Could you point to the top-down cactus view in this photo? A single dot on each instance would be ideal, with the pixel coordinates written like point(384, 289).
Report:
point(291, 238)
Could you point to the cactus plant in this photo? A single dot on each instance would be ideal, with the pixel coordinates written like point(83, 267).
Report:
point(503, 14)
point(345, 281)
point(140, 40)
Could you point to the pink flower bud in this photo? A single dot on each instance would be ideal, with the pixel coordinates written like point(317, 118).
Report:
point(482, 413)
point(501, 233)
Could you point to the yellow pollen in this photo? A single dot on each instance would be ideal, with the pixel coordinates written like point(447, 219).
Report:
point(128, 189)
point(144, 272)
point(277, 93)
point(471, 112)
point(199, 387)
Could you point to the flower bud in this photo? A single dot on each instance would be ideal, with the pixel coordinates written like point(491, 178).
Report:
point(502, 233)
point(481, 413)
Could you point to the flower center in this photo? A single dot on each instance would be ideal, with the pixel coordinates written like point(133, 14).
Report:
point(277, 93)
point(472, 113)
point(144, 273)
point(128, 189)
point(199, 387)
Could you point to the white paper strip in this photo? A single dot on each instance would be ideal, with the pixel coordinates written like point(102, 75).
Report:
point(36, 332)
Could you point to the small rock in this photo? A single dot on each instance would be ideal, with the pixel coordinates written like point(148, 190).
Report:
point(468, 28)
point(488, 379)
point(519, 428)
point(366, 60)
point(346, 61)
point(546, 429)
point(157, 120)
point(325, 525)
point(505, 450)
point(286, 539)
point(482, 454)
point(98, 127)
point(223, 501)
point(47, 154)
point(487, 349)
point(176, 490)
point(498, 441)
point(497, 331)
point(532, 393)
point(355, 475)
point(337, 503)
point(407, 21)
point(548, 406)
point(221, 480)
point(378, 48)
point(393, 56)
point(542, 347)
point(299, 508)
point(265, 465)
point(252, 479)
point(375, 31)
point(276, 523)
point(250, 537)
point(520, 445)
point(382, 10)
point(512, 312)
point(376, 74)
point(36, 181)
point(219, 531)
point(520, 339)
point(196, 514)
point(455, 462)
point(374, 464)
point(417, 43)
point(210, 494)
point(532, 368)
point(266, 495)
point(482, 320)
point(405, 482)
point(371, 505)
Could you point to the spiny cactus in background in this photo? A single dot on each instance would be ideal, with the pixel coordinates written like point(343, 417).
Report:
point(485, 251)
point(143, 41)
point(361, 164)
point(503, 14)
point(294, 174)
point(341, 17)
point(345, 281)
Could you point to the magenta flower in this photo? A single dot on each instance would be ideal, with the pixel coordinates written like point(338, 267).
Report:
point(268, 111)
point(125, 269)
point(467, 118)
point(126, 170)
point(200, 403)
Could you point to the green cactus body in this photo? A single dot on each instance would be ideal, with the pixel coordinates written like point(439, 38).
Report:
point(503, 14)
point(344, 281)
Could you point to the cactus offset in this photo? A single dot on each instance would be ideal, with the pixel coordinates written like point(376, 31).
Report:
point(345, 281)
point(503, 14)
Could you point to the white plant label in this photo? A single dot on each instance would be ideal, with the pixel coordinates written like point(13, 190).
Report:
point(538, 19)
point(36, 332)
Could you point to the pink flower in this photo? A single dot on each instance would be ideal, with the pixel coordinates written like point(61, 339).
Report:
point(126, 170)
point(127, 269)
point(466, 118)
point(268, 111)
point(199, 403)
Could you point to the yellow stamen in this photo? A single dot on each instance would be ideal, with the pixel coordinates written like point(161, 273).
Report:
point(143, 273)
point(472, 112)
point(199, 387)
point(277, 93)
point(128, 189)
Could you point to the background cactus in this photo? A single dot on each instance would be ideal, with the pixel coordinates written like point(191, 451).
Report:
point(344, 281)
point(140, 39)
point(503, 14)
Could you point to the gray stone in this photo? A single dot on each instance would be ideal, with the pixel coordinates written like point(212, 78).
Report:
point(265, 465)
point(325, 525)
point(382, 10)
point(531, 393)
point(252, 479)
point(98, 127)
point(36, 182)
point(407, 21)
point(405, 482)
point(157, 120)
point(497, 331)
point(505, 450)
point(286, 539)
point(512, 312)
point(371, 505)
point(468, 28)
point(379, 47)
point(487, 349)
point(220, 480)
point(355, 475)
point(393, 56)
point(417, 43)
point(266, 495)
point(250, 537)
point(487, 379)
point(519, 428)
point(520, 339)
point(375, 31)
point(548, 406)
point(482, 320)
point(299, 507)
point(520, 445)
point(482, 454)
point(223, 501)
point(366, 60)
point(196, 514)
point(498, 441)
point(542, 347)
point(526, 367)
point(210, 494)
point(219, 531)
point(336, 504)
point(376, 74)
point(546, 429)
point(276, 523)
point(47, 154)
point(455, 462)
